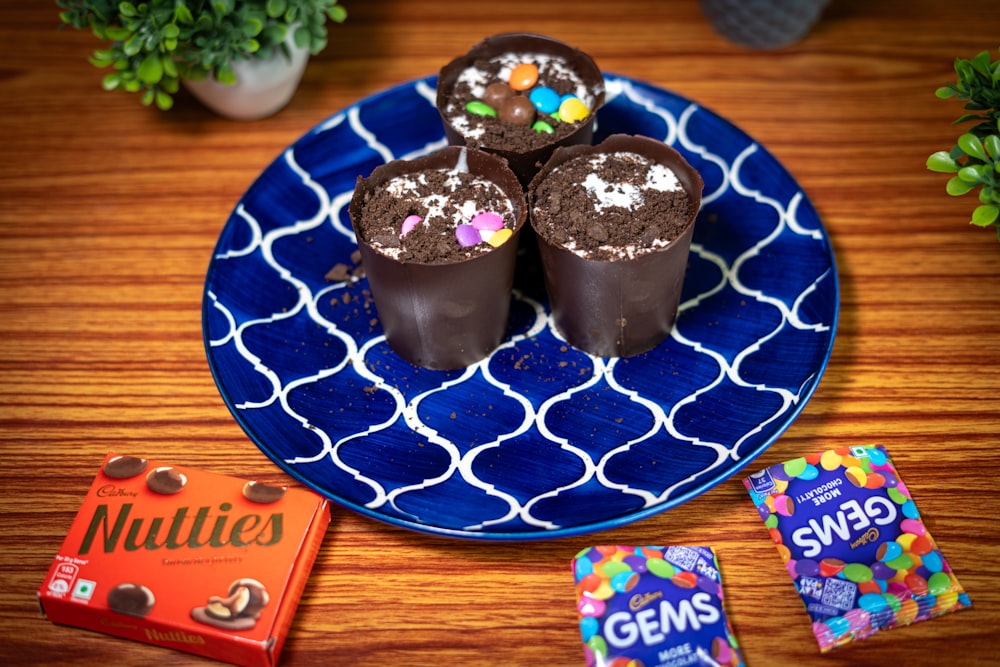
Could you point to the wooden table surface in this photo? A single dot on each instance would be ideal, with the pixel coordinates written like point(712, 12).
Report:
point(109, 212)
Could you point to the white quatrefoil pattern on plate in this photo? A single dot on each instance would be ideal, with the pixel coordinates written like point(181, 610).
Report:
point(539, 440)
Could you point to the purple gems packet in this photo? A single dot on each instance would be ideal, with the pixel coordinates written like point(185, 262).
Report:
point(653, 606)
point(852, 539)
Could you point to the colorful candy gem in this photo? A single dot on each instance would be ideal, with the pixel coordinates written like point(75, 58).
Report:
point(479, 108)
point(573, 110)
point(498, 237)
point(467, 235)
point(542, 126)
point(545, 99)
point(487, 220)
point(524, 76)
point(409, 223)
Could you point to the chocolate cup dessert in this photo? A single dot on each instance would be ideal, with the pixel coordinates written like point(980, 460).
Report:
point(450, 314)
point(618, 306)
point(524, 160)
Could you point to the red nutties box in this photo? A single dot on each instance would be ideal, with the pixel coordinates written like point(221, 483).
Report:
point(195, 561)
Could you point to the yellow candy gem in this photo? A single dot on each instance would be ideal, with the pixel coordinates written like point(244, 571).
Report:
point(499, 237)
point(572, 110)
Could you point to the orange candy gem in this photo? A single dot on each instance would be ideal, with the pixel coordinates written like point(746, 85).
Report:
point(524, 76)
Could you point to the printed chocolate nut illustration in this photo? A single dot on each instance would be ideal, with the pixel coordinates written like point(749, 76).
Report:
point(258, 492)
point(230, 607)
point(131, 599)
point(258, 595)
point(166, 480)
point(123, 467)
point(239, 610)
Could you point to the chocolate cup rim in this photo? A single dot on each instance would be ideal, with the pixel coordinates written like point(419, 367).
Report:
point(443, 158)
point(658, 151)
point(581, 62)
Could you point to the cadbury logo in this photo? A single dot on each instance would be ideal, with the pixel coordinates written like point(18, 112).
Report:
point(640, 600)
point(182, 530)
point(112, 491)
point(870, 536)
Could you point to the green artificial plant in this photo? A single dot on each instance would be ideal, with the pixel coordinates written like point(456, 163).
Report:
point(975, 158)
point(153, 45)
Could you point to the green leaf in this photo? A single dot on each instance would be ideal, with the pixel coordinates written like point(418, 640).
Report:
point(164, 101)
point(957, 187)
point(127, 9)
point(274, 33)
point(302, 37)
point(338, 14)
point(101, 59)
point(942, 162)
point(132, 45)
point(225, 74)
point(169, 68)
point(971, 174)
point(992, 145)
point(151, 69)
point(116, 33)
point(986, 215)
point(183, 14)
point(971, 144)
point(276, 8)
point(252, 26)
point(111, 81)
point(981, 62)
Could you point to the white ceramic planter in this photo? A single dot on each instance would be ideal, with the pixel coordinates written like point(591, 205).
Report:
point(262, 88)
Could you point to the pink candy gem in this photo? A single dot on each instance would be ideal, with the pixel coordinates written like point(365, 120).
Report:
point(487, 220)
point(409, 223)
point(467, 235)
point(588, 606)
point(913, 527)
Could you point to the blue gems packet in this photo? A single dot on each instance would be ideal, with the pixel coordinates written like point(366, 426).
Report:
point(854, 543)
point(653, 606)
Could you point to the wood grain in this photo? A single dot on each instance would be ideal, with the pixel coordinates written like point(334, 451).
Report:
point(109, 212)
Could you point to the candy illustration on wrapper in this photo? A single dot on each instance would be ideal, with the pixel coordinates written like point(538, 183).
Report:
point(853, 541)
point(643, 606)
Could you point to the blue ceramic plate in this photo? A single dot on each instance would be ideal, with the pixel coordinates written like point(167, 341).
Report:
point(539, 440)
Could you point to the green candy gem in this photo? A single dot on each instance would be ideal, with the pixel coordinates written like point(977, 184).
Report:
point(795, 467)
point(660, 568)
point(613, 567)
point(598, 645)
point(480, 109)
point(541, 126)
point(893, 602)
point(902, 562)
point(858, 573)
point(939, 583)
point(771, 521)
point(897, 496)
